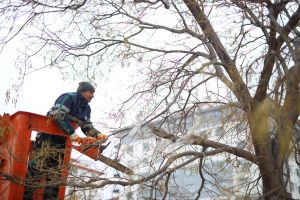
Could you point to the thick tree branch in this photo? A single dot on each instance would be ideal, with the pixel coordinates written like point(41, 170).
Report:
point(198, 140)
point(240, 90)
point(274, 47)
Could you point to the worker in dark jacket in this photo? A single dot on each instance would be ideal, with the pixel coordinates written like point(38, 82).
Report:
point(69, 108)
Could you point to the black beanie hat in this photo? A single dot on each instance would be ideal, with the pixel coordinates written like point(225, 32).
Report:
point(85, 86)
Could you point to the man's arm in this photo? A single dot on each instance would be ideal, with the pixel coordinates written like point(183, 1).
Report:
point(88, 128)
point(59, 112)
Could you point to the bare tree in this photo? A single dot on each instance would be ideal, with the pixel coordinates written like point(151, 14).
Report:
point(239, 53)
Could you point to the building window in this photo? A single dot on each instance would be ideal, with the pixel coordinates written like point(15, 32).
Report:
point(129, 149)
point(194, 170)
point(116, 190)
point(146, 146)
point(191, 171)
point(129, 195)
point(72, 192)
point(74, 171)
point(187, 171)
point(219, 131)
point(191, 188)
point(292, 187)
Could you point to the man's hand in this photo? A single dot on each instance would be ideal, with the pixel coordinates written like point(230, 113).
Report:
point(82, 140)
point(88, 140)
point(102, 137)
point(75, 138)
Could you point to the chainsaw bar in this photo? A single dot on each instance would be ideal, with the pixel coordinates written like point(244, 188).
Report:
point(116, 165)
point(94, 151)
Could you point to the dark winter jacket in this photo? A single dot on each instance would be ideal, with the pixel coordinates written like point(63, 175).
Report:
point(68, 108)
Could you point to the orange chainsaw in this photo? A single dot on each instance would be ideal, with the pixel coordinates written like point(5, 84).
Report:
point(95, 150)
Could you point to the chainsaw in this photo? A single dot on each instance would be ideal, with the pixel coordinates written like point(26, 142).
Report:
point(95, 150)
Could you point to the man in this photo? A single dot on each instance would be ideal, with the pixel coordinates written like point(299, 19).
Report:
point(48, 154)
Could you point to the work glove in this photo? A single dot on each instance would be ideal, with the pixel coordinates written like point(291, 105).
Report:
point(88, 140)
point(75, 138)
point(102, 137)
point(82, 140)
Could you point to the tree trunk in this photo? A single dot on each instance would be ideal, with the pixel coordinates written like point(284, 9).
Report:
point(265, 146)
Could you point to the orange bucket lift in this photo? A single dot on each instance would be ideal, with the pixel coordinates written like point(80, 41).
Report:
point(16, 146)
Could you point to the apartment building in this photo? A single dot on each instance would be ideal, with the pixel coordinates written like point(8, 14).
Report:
point(82, 174)
point(233, 178)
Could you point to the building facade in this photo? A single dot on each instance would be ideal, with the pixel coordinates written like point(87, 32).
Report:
point(223, 176)
point(81, 182)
